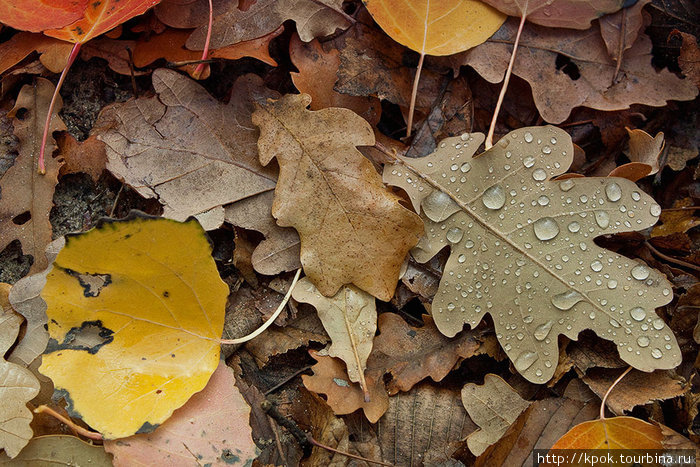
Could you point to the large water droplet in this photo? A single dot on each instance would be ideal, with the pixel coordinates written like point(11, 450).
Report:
point(597, 266)
point(613, 191)
point(658, 324)
point(566, 300)
point(656, 353)
point(640, 272)
point(643, 341)
point(438, 206)
point(566, 185)
point(494, 197)
point(542, 330)
point(546, 150)
point(454, 235)
point(546, 228)
point(638, 314)
point(528, 137)
point(466, 167)
point(655, 210)
point(529, 161)
point(602, 218)
point(539, 174)
point(543, 200)
point(461, 258)
point(525, 361)
point(574, 227)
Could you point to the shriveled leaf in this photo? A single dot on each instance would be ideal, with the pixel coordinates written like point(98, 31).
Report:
point(185, 148)
point(522, 250)
point(436, 28)
point(211, 428)
point(53, 53)
point(620, 30)
point(136, 311)
point(410, 354)
point(350, 319)
point(314, 18)
point(26, 198)
point(574, 14)
point(612, 433)
point(344, 396)
point(37, 16)
point(53, 450)
point(645, 148)
point(689, 59)
point(556, 93)
point(494, 406)
point(17, 387)
point(352, 229)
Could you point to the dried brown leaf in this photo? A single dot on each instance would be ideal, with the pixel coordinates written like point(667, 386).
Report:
point(88, 156)
point(645, 148)
point(689, 59)
point(620, 30)
point(677, 221)
point(53, 53)
point(573, 14)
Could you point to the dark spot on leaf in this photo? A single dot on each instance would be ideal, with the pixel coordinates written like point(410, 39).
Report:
point(166, 294)
point(172, 355)
point(147, 428)
point(158, 391)
point(90, 336)
point(229, 457)
point(411, 333)
point(567, 66)
point(22, 219)
point(92, 284)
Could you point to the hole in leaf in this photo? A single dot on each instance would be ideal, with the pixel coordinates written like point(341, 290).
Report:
point(90, 336)
point(23, 218)
point(568, 67)
point(21, 114)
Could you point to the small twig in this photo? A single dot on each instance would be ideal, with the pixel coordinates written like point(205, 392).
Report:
point(671, 259)
point(200, 68)
point(682, 208)
point(621, 47)
point(188, 62)
point(77, 429)
point(347, 454)
point(287, 379)
point(414, 93)
point(116, 198)
point(134, 88)
point(275, 431)
point(607, 393)
point(266, 324)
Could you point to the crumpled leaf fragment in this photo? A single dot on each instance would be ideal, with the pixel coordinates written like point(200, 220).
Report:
point(352, 229)
point(136, 311)
point(494, 406)
point(522, 250)
point(679, 221)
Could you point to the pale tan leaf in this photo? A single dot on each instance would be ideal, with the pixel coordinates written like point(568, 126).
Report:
point(60, 450)
point(645, 148)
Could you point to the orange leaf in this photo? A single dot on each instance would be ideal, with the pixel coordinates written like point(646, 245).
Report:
point(612, 433)
point(39, 15)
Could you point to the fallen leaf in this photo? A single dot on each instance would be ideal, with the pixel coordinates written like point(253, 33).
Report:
point(36, 16)
point(60, 450)
point(612, 433)
point(187, 14)
point(522, 244)
point(27, 197)
point(645, 148)
point(620, 30)
point(115, 52)
point(494, 406)
point(53, 53)
point(17, 387)
point(352, 229)
point(88, 156)
point(211, 428)
point(350, 319)
point(677, 157)
point(185, 148)
point(344, 396)
point(555, 92)
point(136, 311)
point(689, 59)
point(588, 353)
point(437, 28)
point(314, 18)
point(676, 221)
point(573, 14)
point(411, 354)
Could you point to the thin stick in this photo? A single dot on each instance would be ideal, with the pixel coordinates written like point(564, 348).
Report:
point(71, 58)
point(671, 259)
point(414, 93)
point(261, 329)
point(621, 48)
point(287, 380)
point(347, 454)
point(200, 68)
point(77, 429)
point(682, 208)
point(607, 393)
point(506, 80)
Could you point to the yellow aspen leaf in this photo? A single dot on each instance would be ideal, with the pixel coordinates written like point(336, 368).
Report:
point(136, 312)
point(612, 433)
point(442, 27)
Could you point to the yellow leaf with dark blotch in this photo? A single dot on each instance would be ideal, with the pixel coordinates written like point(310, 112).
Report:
point(612, 433)
point(522, 250)
point(136, 311)
point(352, 229)
point(442, 27)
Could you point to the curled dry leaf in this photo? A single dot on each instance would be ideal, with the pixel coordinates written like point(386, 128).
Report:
point(555, 92)
point(522, 250)
point(494, 406)
point(212, 427)
point(352, 229)
point(60, 450)
point(436, 28)
point(136, 311)
point(689, 59)
point(574, 14)
point(350, 319)
point(27, 197)
point(645, 148)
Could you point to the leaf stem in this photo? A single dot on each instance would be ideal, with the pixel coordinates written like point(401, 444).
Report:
point(200, 68)
point(347, 454)
point(671, 259)
point(504, 88)
point(414, 93)
point(71, 58)
point(271, 319)
point(77, 429)
point(607, 393)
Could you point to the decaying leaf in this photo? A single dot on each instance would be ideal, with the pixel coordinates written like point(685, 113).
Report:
point(522, 250)
point(620, 30)
point(494, 406)
point(27, 197)
point(60, 450)
point(436, 28)
point(344, 396)
point(612, 433)
point(350, 319)
point(136, 311)
point(53, 53)
point(352, 229)
point(88, 156)
point(17, 387)
point(212, 427)
point(689, 59)
point(574, 14)
point(555, 92)
point(645, 148)
point(679, 221)
point(185, 148)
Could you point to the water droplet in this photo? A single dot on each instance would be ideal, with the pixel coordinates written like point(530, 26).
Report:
point(597, 266)
point(546, 149)
point(494, 197)
point(614, 323)
point(438, 206)
point(543, 200)
point(574, 227)
point(612, 284)
point(454, 235)
point(640, 272)
point(613, 191)
point(466, 167)
point(583, 198)
point(636, 196)
point(602, 219)
point(450, 306)
point(655, 210)
point(539, 174)
point(529, 161)
point(666, 292)
point(546, 228)
point(464, 136)
point(528, 137)
point(454, 167)
point(525, 360)
point(643, 341)
point(566, 185)
point(469, 244)
point(638, 314)
point(658, 324)
point(462, 258)
point(656, 353)
point(566, 300)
